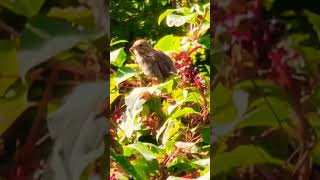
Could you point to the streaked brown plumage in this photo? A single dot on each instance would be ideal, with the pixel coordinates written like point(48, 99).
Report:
point(153, 63)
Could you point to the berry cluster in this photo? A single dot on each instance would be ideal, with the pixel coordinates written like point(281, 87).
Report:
point(23, 170)
point(117, 115)
point(191, 175)
point(280, 71)
point(19, 174)
point(245, 26)
point(113, 176)
point(190, 74)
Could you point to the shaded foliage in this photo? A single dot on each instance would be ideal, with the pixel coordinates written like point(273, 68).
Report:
point(161, 131)
point(264, 89)
point(49, 50)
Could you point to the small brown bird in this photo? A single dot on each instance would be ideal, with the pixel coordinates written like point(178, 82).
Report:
point(153, 63)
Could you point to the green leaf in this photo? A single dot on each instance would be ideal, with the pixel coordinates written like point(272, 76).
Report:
point(260, 115)
point(172, 128)
point(202, 162)
point(143, 167)
point(8, 64)
point(187, 146)
point(161, 130)
point(124, 73)
point(193, 96)
point(78, 15)
point(145, 150)
point(222, 95)
point(297, 38)
point(165, 14)
point(205, 40)
point(204, 28)
point(183, 112)
point(114, 92)
point(164, 2)
point(118, 42)
point(263, 116)
point(180, 159)
point(125, 164)
point(183, 167)
point(178, 20)
point(240, 99)
point(226, 113)
point(168, 43)
point(10, 109)
point(198, 9)
point(310, 54)
point(205, 176)
point(316, 154)
point(205, 132)
point(12, 91)
point(166, 134)
point(134, 106)
point(314, 19)
point(207, 17)
point(16, 89)
point(242, 156)
point(168, 85)
point(183, 10)
point(268, 4)
point(27, 8)
point(118, 57)
point(268, 88)
point(173, 107)
point(154, 105)
point(180, 168)
point(43, 38)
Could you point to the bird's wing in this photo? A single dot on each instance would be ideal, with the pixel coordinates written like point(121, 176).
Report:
point(159, 61)
point(157, 70)
point(150, 67)
point(167, 61)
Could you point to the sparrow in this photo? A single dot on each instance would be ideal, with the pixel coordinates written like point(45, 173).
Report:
point(153, 63)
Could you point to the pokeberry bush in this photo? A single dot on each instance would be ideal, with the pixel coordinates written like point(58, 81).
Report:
point(162, 131)
point(265, 89)
point(53, 80)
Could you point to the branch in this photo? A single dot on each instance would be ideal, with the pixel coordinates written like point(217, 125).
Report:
point(4, 26)
point(201, 23)
point(305, 137)
point(28, 147)
point(269, 105)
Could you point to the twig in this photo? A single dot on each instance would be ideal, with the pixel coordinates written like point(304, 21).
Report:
point(266, 175)
point(295, 152)
point(267, 132)
point(269, 105)
point(304, 137)
point(27, 148)
point(201, 23)
point(75, 69)
point(8, 29)
point(218, 76)
point(300, 162)
point(215, 82)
